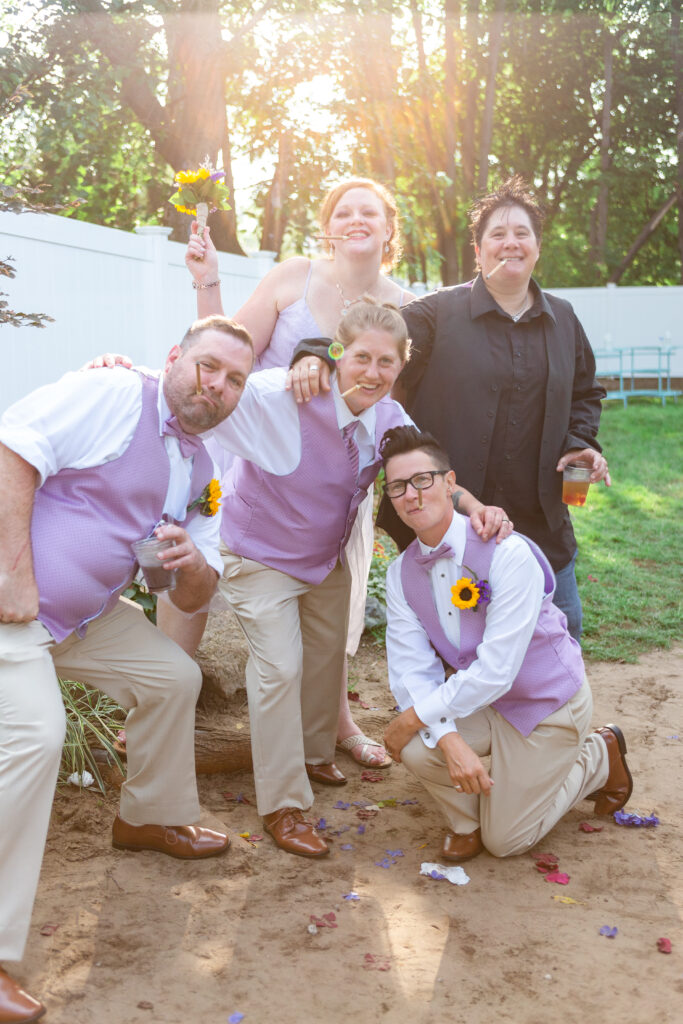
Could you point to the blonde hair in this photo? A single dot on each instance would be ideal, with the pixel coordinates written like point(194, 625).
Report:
point(393, 253)
point(370, 315)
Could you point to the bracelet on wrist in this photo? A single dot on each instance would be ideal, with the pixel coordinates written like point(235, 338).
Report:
point(211, 284)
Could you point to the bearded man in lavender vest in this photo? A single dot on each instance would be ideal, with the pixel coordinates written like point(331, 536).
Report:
point(89, 465)
point(515, 688)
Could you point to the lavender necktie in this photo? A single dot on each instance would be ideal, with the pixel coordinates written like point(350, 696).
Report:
point(351, 447)
point(189, 443)
point(428, 560)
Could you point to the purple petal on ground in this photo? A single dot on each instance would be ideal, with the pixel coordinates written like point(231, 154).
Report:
point(341, 806)
point(361, 830)
point(437, 875)
point(322, 823)
point(395, 853)
point(608, 932)
point(346, 846)
point(404, 802)
point(235, 1018)
point(636, 820)
point(351, 896)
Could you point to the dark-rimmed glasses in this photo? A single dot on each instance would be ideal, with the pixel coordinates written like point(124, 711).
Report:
point(420, 481)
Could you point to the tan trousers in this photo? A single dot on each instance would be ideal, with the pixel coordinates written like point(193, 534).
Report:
point(296, 634)
point(537, 778)
point(126, 657)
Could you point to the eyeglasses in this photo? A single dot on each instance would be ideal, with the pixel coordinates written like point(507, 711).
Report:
point(421, 482)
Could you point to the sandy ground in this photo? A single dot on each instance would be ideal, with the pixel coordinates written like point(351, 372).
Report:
point(144, 938)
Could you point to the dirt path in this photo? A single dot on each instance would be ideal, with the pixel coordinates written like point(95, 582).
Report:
point(143, 938)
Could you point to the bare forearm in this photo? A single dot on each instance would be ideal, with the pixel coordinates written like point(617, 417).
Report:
point(18, 591)
point(194, 588)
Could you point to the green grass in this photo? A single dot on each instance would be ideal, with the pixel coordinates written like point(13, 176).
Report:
point(92, 720)
point(629, 535)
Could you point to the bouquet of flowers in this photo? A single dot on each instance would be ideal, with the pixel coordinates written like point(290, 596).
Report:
point(199, 192)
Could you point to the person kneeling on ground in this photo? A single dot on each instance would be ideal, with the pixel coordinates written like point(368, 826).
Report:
point(515, 689)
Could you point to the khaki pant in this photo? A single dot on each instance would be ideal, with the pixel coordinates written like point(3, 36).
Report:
point(127, 658)
point(296, 634)
point(537, 778)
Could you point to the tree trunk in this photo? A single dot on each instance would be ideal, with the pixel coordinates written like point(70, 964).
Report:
point(644, 235)
point(192, 125)
point(274, 216)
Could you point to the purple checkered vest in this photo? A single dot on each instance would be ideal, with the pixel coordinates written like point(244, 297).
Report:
point(85, 520)
point(552, 670)
point(300, 523)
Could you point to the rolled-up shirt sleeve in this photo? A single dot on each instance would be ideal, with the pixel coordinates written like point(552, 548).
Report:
point(78, 422)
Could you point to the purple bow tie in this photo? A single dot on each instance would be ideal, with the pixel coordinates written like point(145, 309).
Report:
point(427, 561)
point(189, 443)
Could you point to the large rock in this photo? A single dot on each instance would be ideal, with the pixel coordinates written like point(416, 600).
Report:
point(222, 654)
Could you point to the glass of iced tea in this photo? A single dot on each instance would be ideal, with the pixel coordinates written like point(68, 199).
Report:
point(575, 483)
point(157, 577)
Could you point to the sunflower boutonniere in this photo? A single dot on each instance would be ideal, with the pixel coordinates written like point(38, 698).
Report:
point(209, 500)
point(470, 591)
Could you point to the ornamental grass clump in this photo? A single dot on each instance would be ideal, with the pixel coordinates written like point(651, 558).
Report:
point(93, 721)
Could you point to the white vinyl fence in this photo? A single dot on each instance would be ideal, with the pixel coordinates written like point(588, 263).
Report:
point(108, 291)
point(112, 290)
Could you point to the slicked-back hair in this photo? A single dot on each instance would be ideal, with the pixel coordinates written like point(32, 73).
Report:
point(216, 322)
point(390, 256)
point(401, 440)
point(513, 192)
point(370, 315)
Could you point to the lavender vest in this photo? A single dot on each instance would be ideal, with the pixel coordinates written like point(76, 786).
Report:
point(300, 523)
point(552, 670)
point(85, 520)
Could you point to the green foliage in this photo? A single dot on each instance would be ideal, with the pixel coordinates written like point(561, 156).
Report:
point(629, 535)
point(98, 107)
point(139, 593)
point(383, 553)
point(92, 722)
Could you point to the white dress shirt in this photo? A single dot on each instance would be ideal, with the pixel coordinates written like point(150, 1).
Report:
point(265, 427)
point(87, 419)
point(416, 672)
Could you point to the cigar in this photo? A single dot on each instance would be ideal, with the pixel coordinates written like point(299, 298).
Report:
point(199, 379)
point(356, 387)
point(332, 238)
point(496, 269)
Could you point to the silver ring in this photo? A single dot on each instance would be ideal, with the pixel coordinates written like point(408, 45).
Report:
point(312, 369)
point(459, 789)
point(505, 520)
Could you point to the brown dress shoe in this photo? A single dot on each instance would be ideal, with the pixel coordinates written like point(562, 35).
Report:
point(187, 842)
point(293, 833)
point(326, 774)
point(17, 1006)
point(619, 786)
point(457, 847)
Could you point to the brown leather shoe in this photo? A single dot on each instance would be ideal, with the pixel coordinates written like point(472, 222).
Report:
point(326, 774)
point(619, 786)
point(187, 842)
point(293, 833)
point(17, 1006)
point(457, 847)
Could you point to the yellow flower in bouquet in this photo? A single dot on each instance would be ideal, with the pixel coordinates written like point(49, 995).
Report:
point(199, 192)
